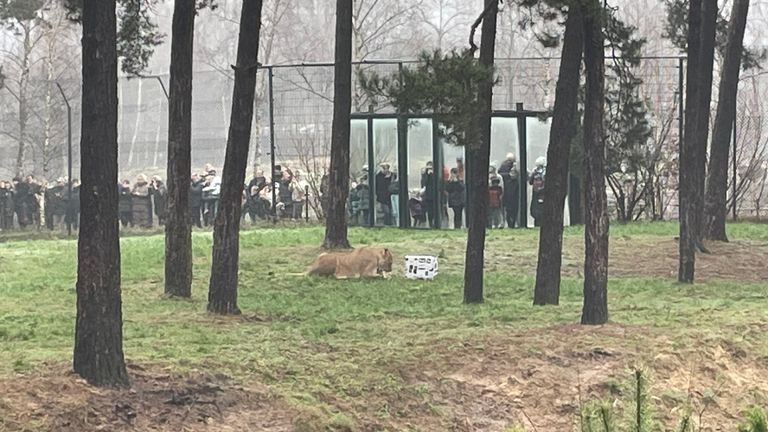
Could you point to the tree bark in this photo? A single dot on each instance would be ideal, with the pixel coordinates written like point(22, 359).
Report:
point(715, 208)
point(478, 155)
point(702, 17)
point(687, 146)
point(547, 289)
point(98, 354)
point(222, 294)
point(178, 228)
point(595, 309)
point(21, 155)
point(338, 178)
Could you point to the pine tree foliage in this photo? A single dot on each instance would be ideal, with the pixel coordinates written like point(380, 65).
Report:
point(676, 30)
point(445, 85)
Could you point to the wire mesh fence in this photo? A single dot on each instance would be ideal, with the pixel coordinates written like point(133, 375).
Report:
point(302, 107)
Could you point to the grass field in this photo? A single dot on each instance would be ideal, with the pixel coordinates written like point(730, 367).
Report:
point(318, 354)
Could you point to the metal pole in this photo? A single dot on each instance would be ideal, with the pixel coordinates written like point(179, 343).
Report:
point(272, 141)
point(522, 139)
point(681, 101)
point(402, 164)
point(306, 203)
point(733, 204)
point(69, 161)
point(162, 84)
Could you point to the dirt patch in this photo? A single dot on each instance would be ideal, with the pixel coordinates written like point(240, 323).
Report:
point(57, 400)
point(540, 379)
point(648, 257)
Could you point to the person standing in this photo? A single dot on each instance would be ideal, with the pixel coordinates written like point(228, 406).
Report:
point(383, 181)
point(141, 202)
point(124, 204)
point(6, 206)
point(73, 205)
point(429, 198)
point(495, 197)
point(195, 200)
point(160, 198)
point(510, 176)
point(537, 180)
point(456, 197)
point(211, 193)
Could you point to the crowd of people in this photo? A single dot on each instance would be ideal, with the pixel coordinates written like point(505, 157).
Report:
point(31, 202)
point(503, 195)
point(143, 203)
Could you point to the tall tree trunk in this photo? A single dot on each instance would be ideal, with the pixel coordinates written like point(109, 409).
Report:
point(478, 155)
point(547, 290)
point(178, 229)
point(688, 147)
point(595, 309)
point(702, 17)
point(715, 208)
point(98, 355)
point(21, 155)
point(222, 294)
point(338, 178)
point(709, 13)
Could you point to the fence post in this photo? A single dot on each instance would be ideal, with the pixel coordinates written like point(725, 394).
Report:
point(69, 211)
point(270, 74)
point(522, 137)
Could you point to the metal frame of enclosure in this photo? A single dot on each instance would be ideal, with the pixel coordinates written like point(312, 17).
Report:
point(437, 157)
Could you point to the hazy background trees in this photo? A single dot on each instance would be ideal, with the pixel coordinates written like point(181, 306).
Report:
point(302, 32)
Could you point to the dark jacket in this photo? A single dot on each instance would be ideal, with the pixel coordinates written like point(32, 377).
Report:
point(141, 205)
point(160, 194)
point(196, 194)
point(455, 190)
point(259, 182)
point(56, 203)
point(124, 205)
point(428, 183)
point(382, 187)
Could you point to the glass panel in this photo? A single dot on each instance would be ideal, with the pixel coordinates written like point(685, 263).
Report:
point(358, 204)
point(538, 141)
point(454, 187)
point(421, 181)
point(504, 204)
point(385, 183)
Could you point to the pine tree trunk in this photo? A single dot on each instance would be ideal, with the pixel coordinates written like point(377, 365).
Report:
point(178, 229)
point(715, 208)
point(338, 178)
point(701, 27)
point(478, 155)
point(547, 290)
point(98, 354)
point(222, 294)
point(687, 146)
point(595, 309)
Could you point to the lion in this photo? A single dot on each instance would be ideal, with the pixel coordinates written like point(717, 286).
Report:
point(364, 262)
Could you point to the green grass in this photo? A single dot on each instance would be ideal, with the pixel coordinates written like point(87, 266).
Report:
point(310, 338)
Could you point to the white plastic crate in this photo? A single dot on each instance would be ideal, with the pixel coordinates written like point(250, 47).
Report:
point(420, 267)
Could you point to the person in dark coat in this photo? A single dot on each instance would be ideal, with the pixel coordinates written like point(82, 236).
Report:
point(124, 204)
point(510, 175)
point(456, 197)
point(383, 181)
point(56, 204)
point(160, 198)
point(429, 197)
point(196, 200)
point(141, 202)
point(538, 181)
point(6, 206)
point(21, 202)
